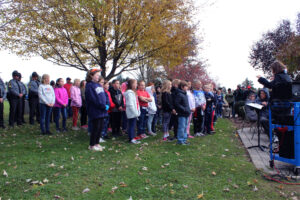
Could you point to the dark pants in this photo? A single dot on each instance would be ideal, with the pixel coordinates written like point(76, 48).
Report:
point(1, 115)
point(131, 128)
point(45, 118)
point(142, 123)
point(198, 119)
point(124, 121)
point(116, 122)
point(265, 124)
point(69, 109)
point(219, 110)
point(34, 109)
point(83, 116)
point(97, 125)
point(105, 126)
point(208, 120)
point(56, 112)
point(231, 106)
point(15, 111)
point(154, 122)
point(238, 109)
point(174, 124)
point(23, 109)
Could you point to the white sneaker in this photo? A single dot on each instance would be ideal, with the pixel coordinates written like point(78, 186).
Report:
point(198, 134)
point(75, 128)
point(101, 148)
point(275, 139)
point(134, 141)
point(101, 140)
point(94, 148)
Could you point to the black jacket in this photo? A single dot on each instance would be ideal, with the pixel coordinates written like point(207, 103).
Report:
point(167, 102)
point(239, 95)
point(117, 98)
point(281, 86)
point(181, 104)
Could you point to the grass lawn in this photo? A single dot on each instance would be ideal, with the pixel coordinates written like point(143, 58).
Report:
point(212, 167)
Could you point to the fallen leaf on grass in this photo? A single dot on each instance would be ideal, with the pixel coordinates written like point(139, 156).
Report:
point(255, 181)
point(34, 182)
point(72, 158)
point(235, 186)
point(61, 167)
point(45, 180)
point(200, 196)
point(52, 165)
point(122, 184)
point(86, 190)
point(280, 187)
point(255, 188)
point(28, 180)
point(226, 190)
point(130, 198)
point(58, 197)
point(185, 186)
point(249, 183)
point(172, 191)
point(226, 149)
point(178, 154)
point(146, 188)
point(214, 173)
point(5, 173)
point(37, 194)
point(145, 168)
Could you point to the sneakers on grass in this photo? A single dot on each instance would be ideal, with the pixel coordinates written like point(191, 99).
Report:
point(152, 134)
point(101, 140)
point(134, 141)
point(143, 136)
point(75, 128)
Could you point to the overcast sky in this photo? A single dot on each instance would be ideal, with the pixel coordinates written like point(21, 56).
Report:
point(229, 28)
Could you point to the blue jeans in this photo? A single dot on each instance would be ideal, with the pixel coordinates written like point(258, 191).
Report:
point(182, 129)
point(45, 114)
point(57, 112)
point(219, 110)
point(131, 128)
point(207, 121)
point(105, 126)
point(166, 121)
point(149, 122)
point(142, 122)
point(124, 121)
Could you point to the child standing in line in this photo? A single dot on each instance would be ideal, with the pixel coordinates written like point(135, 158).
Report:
point(200, 103)
point(47, 100)
point(210, 99)
point(96, 107)
point(220, 102)
point(144, 99)
point(192, 105)
point(167, 107)
point(151, 110)
point(182, 108)
point(61, 104)
point(111, 106)
point(132, 110)
point(76, 102)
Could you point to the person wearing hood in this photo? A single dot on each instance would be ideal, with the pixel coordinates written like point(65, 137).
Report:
point(2, 97)
point(263, 99)
point(151, 109)
point(250, 112)
point(183, 111)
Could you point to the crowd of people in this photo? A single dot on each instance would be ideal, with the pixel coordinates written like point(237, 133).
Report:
point(133, 107)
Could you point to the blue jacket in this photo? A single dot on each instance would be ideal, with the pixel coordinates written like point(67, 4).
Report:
point(95, 100)
point(210, 101)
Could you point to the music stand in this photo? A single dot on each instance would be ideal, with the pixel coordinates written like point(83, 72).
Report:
point(257, 108)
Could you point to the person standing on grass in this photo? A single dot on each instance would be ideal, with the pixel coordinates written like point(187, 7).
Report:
point(52, 83)
point(124, 118)
point(60, 106)
point(2, 97)
point(47, 100)
point(210, 101)
point(174, 117)
point(167, 107)
point(158, 105)
point(76, 102)
point(97, 107)
point(68, 86)
point(230, 100)
point(200, 104)
point(144, 99)
point(151, 110)
point(220, 102)
point(192, 105)
point(83, 112)
point(24, 92)
point(181, 104)
point(111, 106)
point(116, 114)
point(132, 110)
point(33, 98)
point(15, 96)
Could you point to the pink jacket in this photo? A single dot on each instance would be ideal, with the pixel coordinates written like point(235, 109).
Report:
point(61, 97)
point(75, 96)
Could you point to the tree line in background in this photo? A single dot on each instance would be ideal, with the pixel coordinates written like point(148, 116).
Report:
point(151, 39)
point(282, 43)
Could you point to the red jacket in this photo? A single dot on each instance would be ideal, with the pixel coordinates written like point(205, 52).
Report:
point(112, 105)
point(68, 88)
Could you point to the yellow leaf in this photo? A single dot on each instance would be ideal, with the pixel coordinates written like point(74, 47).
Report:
point(200, 196)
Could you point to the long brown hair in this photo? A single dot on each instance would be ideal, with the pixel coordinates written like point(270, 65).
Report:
point(166, 86)
point(90, 74)
point(277, 67)
point(130, 85)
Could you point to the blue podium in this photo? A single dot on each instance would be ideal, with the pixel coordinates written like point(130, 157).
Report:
point(284, 120)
